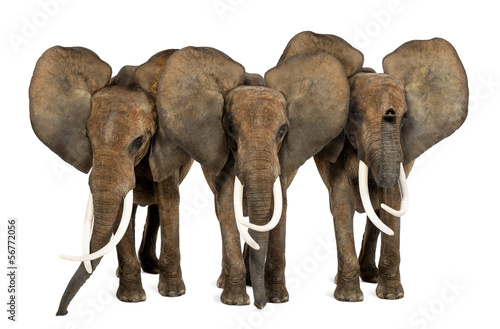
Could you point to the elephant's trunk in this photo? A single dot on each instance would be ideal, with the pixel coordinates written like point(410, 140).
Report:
point(391, 151)
point(259, 195)
point(108, 202)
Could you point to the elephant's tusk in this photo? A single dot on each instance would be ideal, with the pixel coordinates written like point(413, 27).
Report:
point(87, 231)
point(403, 187)
point(238, 214)
point(125, 220)
point(278, 207)
point(365, 199)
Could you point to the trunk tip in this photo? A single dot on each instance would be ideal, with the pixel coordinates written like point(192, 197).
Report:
point(61, 312)
point(260, 305)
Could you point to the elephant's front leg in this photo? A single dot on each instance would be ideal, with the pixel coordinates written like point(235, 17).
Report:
point(342, 208)
point(129, 270)
point(233, 276)
point(389, 281)
point(171, 283)
point(368, 267)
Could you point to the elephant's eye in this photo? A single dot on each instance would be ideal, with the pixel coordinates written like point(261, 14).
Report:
point(281, 132)
point(136, 145)
point(354, 114)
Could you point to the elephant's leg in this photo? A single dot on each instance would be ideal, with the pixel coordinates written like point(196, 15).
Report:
point(233, 277)
point(129, 270)
point(389, 282)
point(368, 267)
point(167, 193)
point(246, 257)
point(275, 264)
point(147, 250)
point(341, 206)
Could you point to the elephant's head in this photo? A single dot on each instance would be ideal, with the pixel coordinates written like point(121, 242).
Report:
point(93, 121)
point(394, 117)
point(266, 132)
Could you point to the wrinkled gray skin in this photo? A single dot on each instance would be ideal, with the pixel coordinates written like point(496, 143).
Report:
point(255, 133)
point(92, 121)
point(394, 117)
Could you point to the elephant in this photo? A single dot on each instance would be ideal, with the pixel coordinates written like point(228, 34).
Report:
point(250, 141)
point(93, 121)
point(395, 116)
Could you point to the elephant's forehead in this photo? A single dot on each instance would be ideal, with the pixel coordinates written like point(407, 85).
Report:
point(257, 105)
point(377, 90)
point(116, 113)
point(120, 99)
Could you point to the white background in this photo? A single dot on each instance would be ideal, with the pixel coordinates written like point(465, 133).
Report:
point(449, 236)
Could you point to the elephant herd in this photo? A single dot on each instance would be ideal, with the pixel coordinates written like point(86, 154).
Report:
point(141, 130)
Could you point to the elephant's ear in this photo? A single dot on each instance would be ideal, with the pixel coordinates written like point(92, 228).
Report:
point(60, 96)
point(190, 104)
point(148, 74)
point(310, 42)
point(317, 94)
point(437, 95)
point(166, 156)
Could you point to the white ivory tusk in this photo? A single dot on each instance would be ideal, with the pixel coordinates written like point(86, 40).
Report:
point(87, 231)
point(403, 188)
point(238, 214)
point(278, 206)
point(125, 220)
point(365, 199)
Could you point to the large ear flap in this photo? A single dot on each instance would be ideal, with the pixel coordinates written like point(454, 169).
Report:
point(310, 42)
point(437, 95)
point(317, 94)
point(60, 96)
point(166, 156)
point(191, 100)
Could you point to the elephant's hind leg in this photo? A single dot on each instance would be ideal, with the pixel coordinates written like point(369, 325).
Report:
point(147, 250)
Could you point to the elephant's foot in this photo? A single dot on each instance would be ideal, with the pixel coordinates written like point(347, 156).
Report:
point(348, 289)
point(234, 293)
point(389, 288)
point(131, 291)
point(369, 273)
point(149, 264)
point(171, 286)
point(277, 293)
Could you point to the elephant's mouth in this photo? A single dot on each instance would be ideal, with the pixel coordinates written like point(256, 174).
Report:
point(243, 225)
point(87, 229)
point(365, 198)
